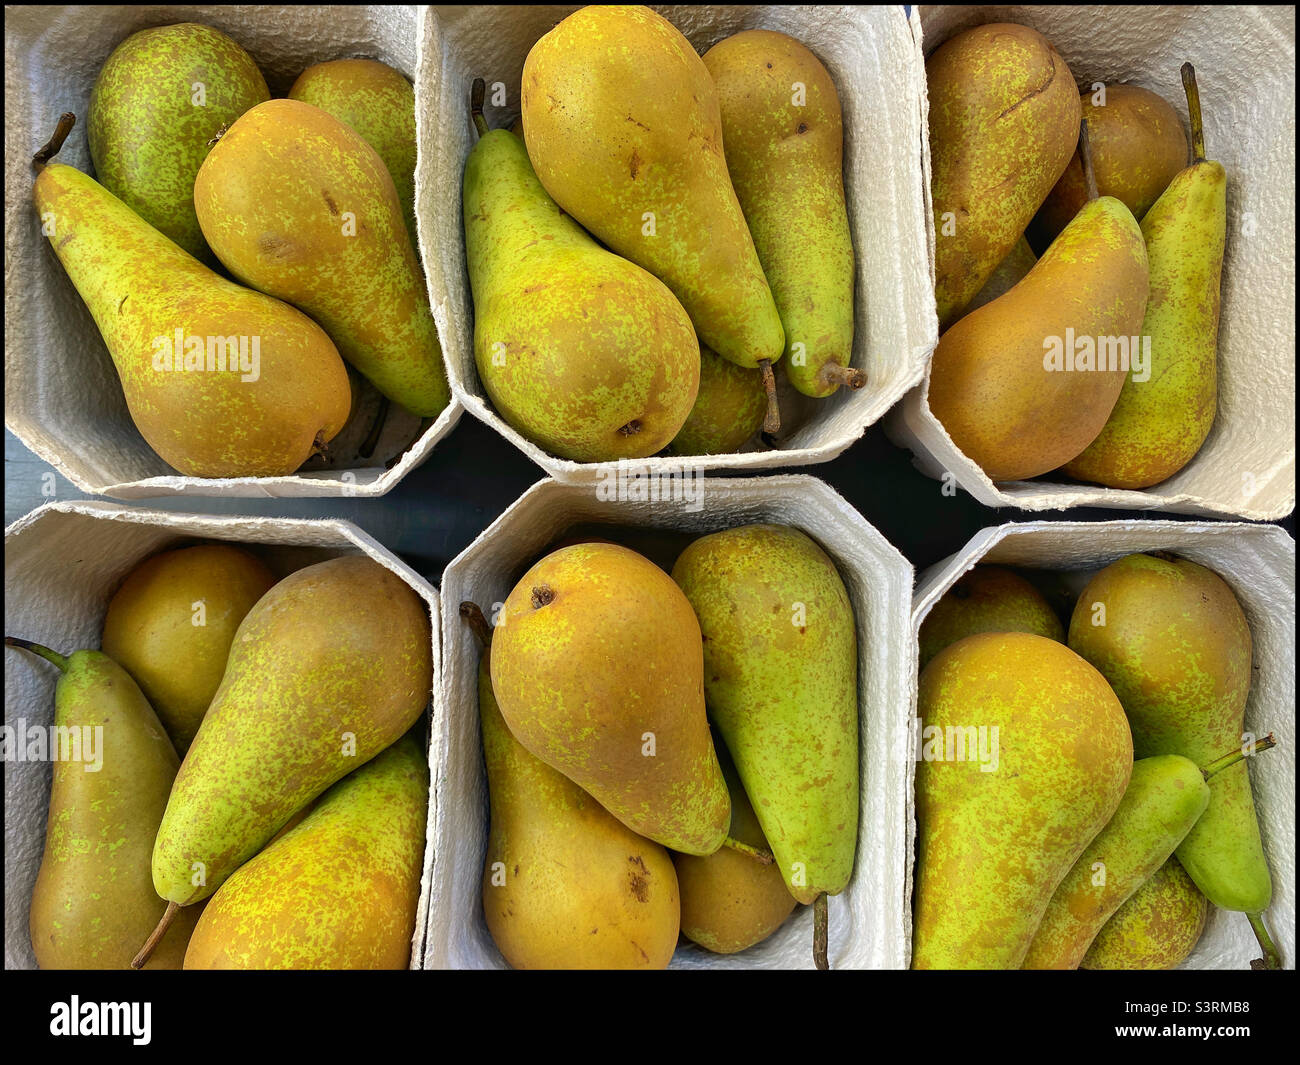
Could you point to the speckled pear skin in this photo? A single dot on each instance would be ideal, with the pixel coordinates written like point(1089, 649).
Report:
point(149, 627)
point(379, 103)
point(1137, 144)
point(139, 286)
point(1004, 121)
point(992, 847)
point(147, 135)
point(1158, 426)
point(780, 678)
point(987, 599)
point(295, 203)
point(1177, 650)
point(728, 410)
point(610, 654)
point(94, 904)
point(621, 118)
point(328, 669)
point(584, 353)
point(1165, 796)
point(1157, 928)
point(1009, 273)
point(786, 163)
point(340, 891)
point(581, 890)
point(989, 385)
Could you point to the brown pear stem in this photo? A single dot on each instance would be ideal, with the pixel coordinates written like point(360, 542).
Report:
point(371, 441)
point(1194, 112)
point(1220, 764)
point(821, 932)
point(477, 92)
point(473, 617)
point(1085, 157)
point(1272, 958)
point(772, 419)
point(757, 853)
point(169, 915)
point(51, 147)
point(39, 649)
point(835, 374)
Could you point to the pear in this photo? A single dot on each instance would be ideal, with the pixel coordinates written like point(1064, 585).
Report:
point(215, 410)
point(1004, 119)
point(295, 203)
point(987, 599)
point(379, 103)
point(1159, 423)
point(584, 353)
point(93, 903)
point(1157, 928)
point(1172, 640)
point(598, 669)
point(565, 884)
point(171, 623)
point(339, 891)
point(622, 123)
point(785, 153)
point(728, 410)
point(158, 101)
point(1009, 273)
point(780, 679)
point(1003, 815)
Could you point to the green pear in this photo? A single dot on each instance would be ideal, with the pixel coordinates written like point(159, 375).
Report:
point(171, 623)
point(598, 669)
point(255, 387)
point(780, 679)
point(1004, 119)
point(93, 903)
point(785, 153)
point(728, 410)
point(295, 203)
point(584, 353)
point(339, 891)
point(1159, 423)
point(1024, 757)
point(379, 103)
point(1157, 928)
point(987, 599)
point(158, 102)
point(1009, 273)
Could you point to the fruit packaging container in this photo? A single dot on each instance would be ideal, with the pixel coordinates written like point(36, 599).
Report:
point(873, 55)
point(868, 921)
point(62, 396)
point(1258, 563)
point(63, 562)
point(1244, 58)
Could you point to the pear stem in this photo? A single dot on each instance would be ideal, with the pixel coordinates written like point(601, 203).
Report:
point(169, 915)
point(1228, 760)
point(1272, 958)
point(757, 853)
point(835, 374)
point(1194, 112)
point(39, 649)
point(772, 419)
point(371, 441)
point(51, 147)
point(473, 617)
point(1085, 157)
point(821, 932)
point(477, 92)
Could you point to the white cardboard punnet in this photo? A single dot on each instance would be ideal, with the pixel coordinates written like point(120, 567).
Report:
point(62, 395)
point(1245, 63)
point(1258, 563)
point(873, 55)
point(63, 562)
point(869, 922)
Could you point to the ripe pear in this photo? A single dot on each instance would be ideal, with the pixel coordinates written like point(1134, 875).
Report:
point(1010, 272)
point(1004, 119)
point(565, 884)
point(1157, 928)
point(728, 410)
point(584, 353)
point(339, 891)
point(1158, 425)
point(379, 103)
point(780, 679)
point(158, 101)
point(785, 153)
point(93, 903)
point(295, 203)
point(598, 669)
point(204, 413)
point(1172, 640)
point(622, 123)
point(171, 623)
point(987, 599)
point(1003, 815)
